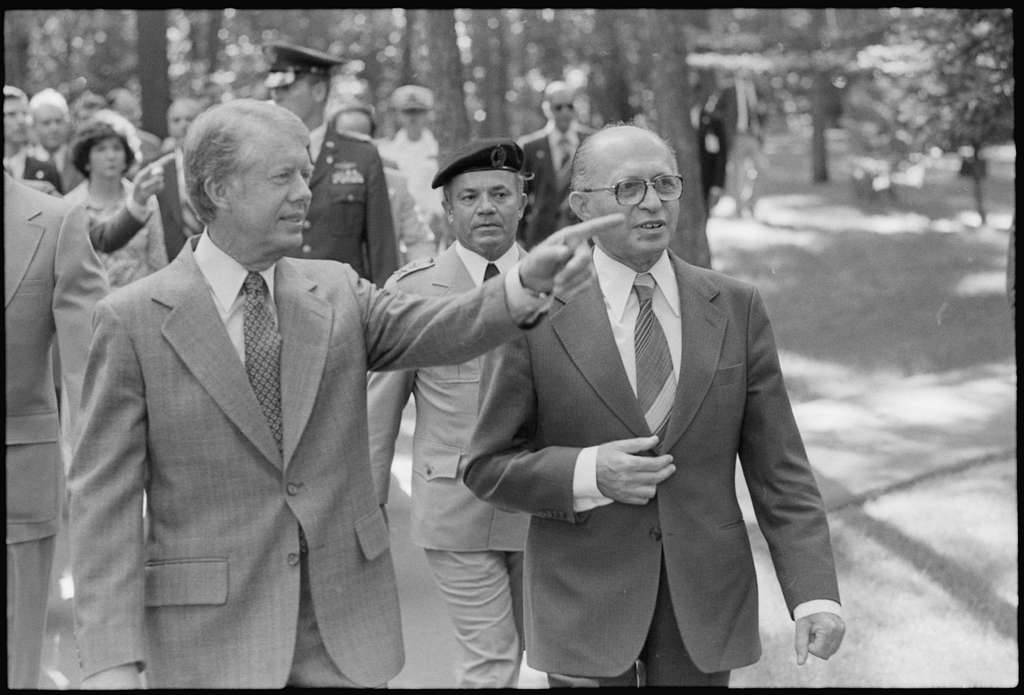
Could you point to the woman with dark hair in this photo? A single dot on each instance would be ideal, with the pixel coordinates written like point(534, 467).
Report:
point(124, 230)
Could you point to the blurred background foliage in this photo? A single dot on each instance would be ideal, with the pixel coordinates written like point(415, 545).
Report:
point(900, 81)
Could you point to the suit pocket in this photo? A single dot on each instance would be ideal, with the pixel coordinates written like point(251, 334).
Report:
point(435, 460)
point(728, 375)
point(191, 582)
point(372, 532)
point(33, 482)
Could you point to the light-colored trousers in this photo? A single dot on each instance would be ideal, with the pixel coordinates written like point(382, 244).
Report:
point(28, 586)
point(484, 594)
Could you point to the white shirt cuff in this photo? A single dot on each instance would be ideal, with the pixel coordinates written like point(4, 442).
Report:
point(525, 305)
point(139, 212)
point(820, 605)
point(585, 494)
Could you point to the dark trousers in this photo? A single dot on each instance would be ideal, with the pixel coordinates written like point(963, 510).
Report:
point(663, 660)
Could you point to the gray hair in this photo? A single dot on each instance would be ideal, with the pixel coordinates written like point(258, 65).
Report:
point(220, 141)
point(49, 97)
point(583, 167)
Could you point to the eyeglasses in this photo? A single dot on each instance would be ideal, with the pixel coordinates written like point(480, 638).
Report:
point(633, 191)
point(561, 107)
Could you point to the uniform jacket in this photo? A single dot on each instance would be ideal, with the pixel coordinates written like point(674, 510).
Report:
point(52, 281)
point(547, 209)
point(210, 597)
point(591, 578)
point(349, 217)
point(445, 514)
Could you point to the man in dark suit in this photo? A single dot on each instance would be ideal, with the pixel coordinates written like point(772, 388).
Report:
point(51, 124)
point(228, 390)
point(18, 158)
point(742, 113)
point(549, 153)
point(617, 424)
point(180, 221)
point(52, 281)
point(350, 216)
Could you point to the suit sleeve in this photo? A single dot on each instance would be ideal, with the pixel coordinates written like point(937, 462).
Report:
point(381, 244)
point(114, 232)
point(386, 396)
point(785, 495)
point(79, 284)
point(504, 466)
point(106, 483)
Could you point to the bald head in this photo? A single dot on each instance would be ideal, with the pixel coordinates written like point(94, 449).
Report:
point(613, 143)
point(559, 104)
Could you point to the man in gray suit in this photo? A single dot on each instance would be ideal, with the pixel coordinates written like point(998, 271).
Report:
point(229, 388)
point(474, 549)
point(52, 281)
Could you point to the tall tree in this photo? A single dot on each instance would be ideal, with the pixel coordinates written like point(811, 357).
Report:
point(153, 78)
point(672, 99)
point(447, 79)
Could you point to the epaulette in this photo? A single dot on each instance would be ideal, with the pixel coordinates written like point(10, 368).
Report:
point(410, 268)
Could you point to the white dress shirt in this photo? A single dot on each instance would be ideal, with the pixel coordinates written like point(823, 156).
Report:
point(418, 160)
point(616, 283)
point(224, 277)
point(476, 264)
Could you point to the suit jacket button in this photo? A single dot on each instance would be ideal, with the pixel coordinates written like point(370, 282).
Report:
point(293, 489)
point(655, 534)
point(293, 559)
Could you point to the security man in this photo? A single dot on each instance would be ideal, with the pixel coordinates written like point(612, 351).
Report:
point(349, 218)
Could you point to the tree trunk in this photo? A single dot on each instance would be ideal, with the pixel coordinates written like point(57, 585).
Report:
point(672, 99)
point(17, 42)
point(445, 66)
point(490, 50)
point(152, 52)
point(819, 124)
point(214, 22)
point(610, 91)
point(978, 172)
point(408, 71)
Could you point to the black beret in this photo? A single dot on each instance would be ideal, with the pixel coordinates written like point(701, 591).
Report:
point(288, 61)
point(479, 155)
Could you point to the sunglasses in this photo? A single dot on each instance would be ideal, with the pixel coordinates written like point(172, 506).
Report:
point(562, 107)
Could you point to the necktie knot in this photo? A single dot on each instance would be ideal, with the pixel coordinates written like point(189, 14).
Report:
point(255, 285)
point(644, 287)
point(490, 271)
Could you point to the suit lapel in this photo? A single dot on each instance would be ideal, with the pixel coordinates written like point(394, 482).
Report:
point(703, 331)
point(21, 239)
point(195, 331)
point(305, 322)
point(583, 329)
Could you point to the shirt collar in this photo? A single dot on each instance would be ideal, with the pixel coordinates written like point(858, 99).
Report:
point(477, 264)
point(224, 274)
point(616, 281)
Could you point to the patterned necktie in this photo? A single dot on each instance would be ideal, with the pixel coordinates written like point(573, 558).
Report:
point(564, 161)
point(490, 271)
point(655, 382)
point(262, 351)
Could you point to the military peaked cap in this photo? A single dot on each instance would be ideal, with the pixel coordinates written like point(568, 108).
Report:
point(288, 62)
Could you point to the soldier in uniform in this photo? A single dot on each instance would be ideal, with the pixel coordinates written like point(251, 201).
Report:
point(349, 219)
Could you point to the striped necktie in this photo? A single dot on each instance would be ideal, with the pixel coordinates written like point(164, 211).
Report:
point(262, 351)
point(655, 382)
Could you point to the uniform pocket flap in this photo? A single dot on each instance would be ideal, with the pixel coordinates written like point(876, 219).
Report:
point(189, 582)
point(372, 532)
point(436, 460)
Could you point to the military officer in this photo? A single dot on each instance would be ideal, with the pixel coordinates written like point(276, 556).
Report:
point(349, 219)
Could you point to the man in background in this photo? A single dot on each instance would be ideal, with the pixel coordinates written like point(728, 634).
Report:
point(180, 220)
point(19, 161)
point(549, 152)
point(349, 219)
point(415, 150)
point(51, 123)
point(474, 550)
point(414, 237)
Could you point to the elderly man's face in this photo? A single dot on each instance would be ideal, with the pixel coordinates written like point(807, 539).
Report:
point(621, 154)
point(51, 125)
point(485, 207)
point(268, 198)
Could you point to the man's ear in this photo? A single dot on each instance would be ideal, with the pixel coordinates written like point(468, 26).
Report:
point(578, 203)
point(217, 191)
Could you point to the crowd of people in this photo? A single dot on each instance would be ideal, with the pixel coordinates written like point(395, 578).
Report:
point(213, 337)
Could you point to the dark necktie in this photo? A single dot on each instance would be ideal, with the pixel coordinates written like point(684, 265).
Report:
point(655, 382)
point(490, 271)
point(262, 352)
